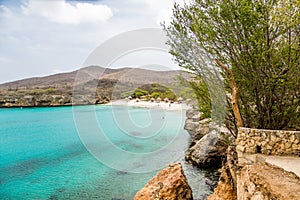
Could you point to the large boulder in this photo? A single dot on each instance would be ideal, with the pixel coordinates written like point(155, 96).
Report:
point(170, 183)
point(209, 151)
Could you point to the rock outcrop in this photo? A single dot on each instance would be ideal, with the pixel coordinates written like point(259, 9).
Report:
point(208, 151)
point(170, 183)
point(264, 181)
point(209, 141)
point(255, 180)
point(226, 188)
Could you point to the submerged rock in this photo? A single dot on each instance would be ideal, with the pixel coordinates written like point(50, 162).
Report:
point(208, 151)
point(170, 183)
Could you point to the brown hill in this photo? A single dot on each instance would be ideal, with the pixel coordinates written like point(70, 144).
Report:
point(91, 85)
point(133, 75)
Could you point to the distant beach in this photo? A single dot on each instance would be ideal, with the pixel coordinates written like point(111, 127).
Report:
point(149, 104)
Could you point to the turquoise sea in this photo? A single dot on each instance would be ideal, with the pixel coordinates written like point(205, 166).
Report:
point(89, 152)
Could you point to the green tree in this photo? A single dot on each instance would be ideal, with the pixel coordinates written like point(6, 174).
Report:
point(196, 88)
point(258, 40)
point(139, 92)
point(155, 95)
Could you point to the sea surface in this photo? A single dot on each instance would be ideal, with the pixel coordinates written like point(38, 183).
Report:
point(89, 152)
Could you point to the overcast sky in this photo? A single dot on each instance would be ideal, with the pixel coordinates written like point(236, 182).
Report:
point(42, 37)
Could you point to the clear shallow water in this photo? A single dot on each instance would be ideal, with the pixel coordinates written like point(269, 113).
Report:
point(42, 156)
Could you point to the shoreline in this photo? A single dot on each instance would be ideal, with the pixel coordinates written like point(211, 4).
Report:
point(131, 103)
point(147, 104)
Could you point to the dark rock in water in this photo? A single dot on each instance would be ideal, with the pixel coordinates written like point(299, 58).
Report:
point(60, 190)
point(170, 183)
point(208, 151)
point(212, 183)
point(122, 173)
point(212, 177)
point(53, 197)
point(138, 164)
point(135, 133)
point(226, 187)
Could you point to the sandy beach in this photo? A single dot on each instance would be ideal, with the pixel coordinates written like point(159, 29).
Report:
point(148, 104)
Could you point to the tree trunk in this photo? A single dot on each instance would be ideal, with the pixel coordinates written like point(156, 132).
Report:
point(234, 93)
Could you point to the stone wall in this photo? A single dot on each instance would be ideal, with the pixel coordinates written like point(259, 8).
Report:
point(269, 142)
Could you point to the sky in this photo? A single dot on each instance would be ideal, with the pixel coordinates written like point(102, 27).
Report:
point(43, 37)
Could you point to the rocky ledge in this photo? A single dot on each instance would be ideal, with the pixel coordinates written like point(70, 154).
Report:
point(254, 180)
point(170, 183)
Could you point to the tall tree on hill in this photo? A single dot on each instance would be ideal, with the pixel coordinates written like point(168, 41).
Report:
point(258, 40)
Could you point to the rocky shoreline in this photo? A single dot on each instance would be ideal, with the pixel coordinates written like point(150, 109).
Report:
point(245, 176)
point(235, 175)
point(47, 100)
point(208, 146)
point(207, 151)
point(209, 141)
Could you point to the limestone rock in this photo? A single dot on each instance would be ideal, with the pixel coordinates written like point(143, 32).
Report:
point(190, 113)
point(226, 188)
point(197, 129)
point(191, 126)
point(170, 183)
point(265, 181)
point(208, 151)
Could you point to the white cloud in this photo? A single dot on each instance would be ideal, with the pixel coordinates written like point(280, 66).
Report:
point(161, 9)
point(36, 37)
point(5, 11)
point(64, 12)
point(4, 60)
